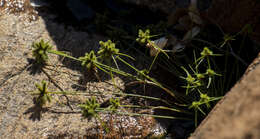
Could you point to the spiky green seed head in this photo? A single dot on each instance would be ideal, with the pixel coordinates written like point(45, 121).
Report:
point(206, 52)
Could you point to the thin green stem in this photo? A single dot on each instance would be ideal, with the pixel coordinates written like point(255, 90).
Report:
point(150, 115)
point(158, 107)
point(153, 62)
point(63, 54)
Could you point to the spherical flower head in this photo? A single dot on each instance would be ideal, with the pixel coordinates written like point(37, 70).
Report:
point(107, 49)
point(206, 52)
point(143, 37)
point(40, 50)
point(88, 60)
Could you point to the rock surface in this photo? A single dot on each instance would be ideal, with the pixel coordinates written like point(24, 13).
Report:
point(237, 115)
point(19, 117)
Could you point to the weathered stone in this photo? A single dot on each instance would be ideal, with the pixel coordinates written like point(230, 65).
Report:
point(20, 117)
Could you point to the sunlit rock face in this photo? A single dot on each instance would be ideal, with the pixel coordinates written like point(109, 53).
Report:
point(14, 5)
point(17, 119)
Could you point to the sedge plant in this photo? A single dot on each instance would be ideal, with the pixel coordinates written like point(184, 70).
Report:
point(197, 83)
point(40, 51)
point(44, 95)
point(91, 61)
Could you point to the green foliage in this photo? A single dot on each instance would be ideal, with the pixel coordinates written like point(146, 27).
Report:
point(44, 96)
point(205, 99)
point(197, 105)
point(107, 49)
point(195, 82)
point(211, 72)
point(89, 61)
point(40, 50)
point(192, 82)
point(198, 75)
point(206, 52)
point(227, 38)
point(143, 36)
point(142, 74)
point(114, 104)
point(89, 108)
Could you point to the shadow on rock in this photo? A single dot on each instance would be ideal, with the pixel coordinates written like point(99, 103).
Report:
point(34, 68)
point(35, 111)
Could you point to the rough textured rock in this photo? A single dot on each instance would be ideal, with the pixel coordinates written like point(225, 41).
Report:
point(19, 117)
point(237, 115)
point(17, 111)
